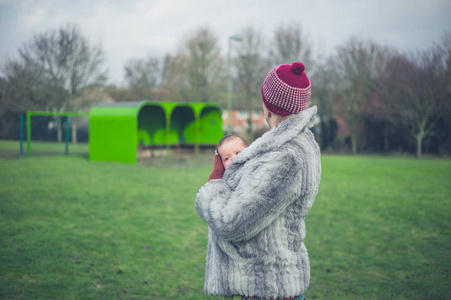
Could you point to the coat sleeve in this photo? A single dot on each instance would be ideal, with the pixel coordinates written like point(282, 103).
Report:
point(262, 194)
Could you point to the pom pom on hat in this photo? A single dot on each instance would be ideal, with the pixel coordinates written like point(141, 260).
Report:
point(286, 89)
point(297, 68)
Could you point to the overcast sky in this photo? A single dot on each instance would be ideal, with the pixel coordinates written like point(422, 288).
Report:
point(129, 29)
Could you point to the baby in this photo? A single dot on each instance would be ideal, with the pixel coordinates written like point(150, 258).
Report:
point(226, 151)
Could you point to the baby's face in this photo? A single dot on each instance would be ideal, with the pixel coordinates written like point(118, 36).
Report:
point(229, 150)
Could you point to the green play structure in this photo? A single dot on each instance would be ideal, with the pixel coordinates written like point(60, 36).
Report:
point(48, 114)
point(116, 129)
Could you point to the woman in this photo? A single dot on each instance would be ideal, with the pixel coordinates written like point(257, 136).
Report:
point(256, 211)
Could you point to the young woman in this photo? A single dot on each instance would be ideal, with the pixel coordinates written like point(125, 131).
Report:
point(256, 211)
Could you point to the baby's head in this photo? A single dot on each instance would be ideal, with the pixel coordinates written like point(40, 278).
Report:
point(229, 147)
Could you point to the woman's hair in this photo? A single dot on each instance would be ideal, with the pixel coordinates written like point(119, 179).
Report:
point(281, 118)
point(231, 136)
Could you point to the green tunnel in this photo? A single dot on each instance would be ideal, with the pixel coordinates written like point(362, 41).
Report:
point(116, 129)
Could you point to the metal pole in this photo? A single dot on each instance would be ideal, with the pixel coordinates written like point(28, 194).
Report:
point(21, 135)
point(229, 82)
point(28, 133)
point(229, 90)
point(168, 135)
point(196, 136)
point(67, 135)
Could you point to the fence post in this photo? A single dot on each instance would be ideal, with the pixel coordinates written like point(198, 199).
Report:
point(28, 133)
point(67, 135)
point(21, 135)
point(197, 135)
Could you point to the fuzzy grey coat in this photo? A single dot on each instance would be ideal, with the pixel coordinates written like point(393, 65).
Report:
point(256, 214)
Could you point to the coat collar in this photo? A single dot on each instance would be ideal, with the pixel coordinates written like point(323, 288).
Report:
point(285, 131)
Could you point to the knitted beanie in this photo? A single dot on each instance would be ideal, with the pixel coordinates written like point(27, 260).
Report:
point(286, 89)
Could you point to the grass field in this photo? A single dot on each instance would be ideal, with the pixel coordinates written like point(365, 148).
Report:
point(11, 149)
point(73, 229)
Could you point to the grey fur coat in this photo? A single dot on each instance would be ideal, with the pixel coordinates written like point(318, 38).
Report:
point(256, 214)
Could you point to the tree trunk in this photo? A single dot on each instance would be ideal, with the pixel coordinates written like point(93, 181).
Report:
point(419, 136)
point(3, 127)
point(354, 143)
point(323, 132)
point(385, 138)
point(419, 144)
point(249, 127)
point(59, 130)
point(74, 131)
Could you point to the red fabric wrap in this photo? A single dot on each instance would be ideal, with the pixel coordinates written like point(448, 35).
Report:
point(218, 169)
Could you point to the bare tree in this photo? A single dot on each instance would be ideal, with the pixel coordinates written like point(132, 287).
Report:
point(16, 96)
point(173, 77)
point(356, 68)
point(21, 85)
point(291, 45)
point(420, 90)
point(201, 65)
point(444, 135)
point(251, 69)
point(324, 89)
point(444, 51)
point(64, 63)
point(143, 74)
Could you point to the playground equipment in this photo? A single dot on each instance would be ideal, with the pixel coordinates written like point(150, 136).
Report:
point(49, 114)
point(116, 129)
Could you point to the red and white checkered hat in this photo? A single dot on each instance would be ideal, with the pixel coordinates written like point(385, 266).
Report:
point(286, 89)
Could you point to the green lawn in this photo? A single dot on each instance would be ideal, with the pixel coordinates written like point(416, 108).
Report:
point(75, 229)
point(11, 149)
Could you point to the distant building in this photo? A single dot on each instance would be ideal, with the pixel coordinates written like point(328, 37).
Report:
point(240, 120)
